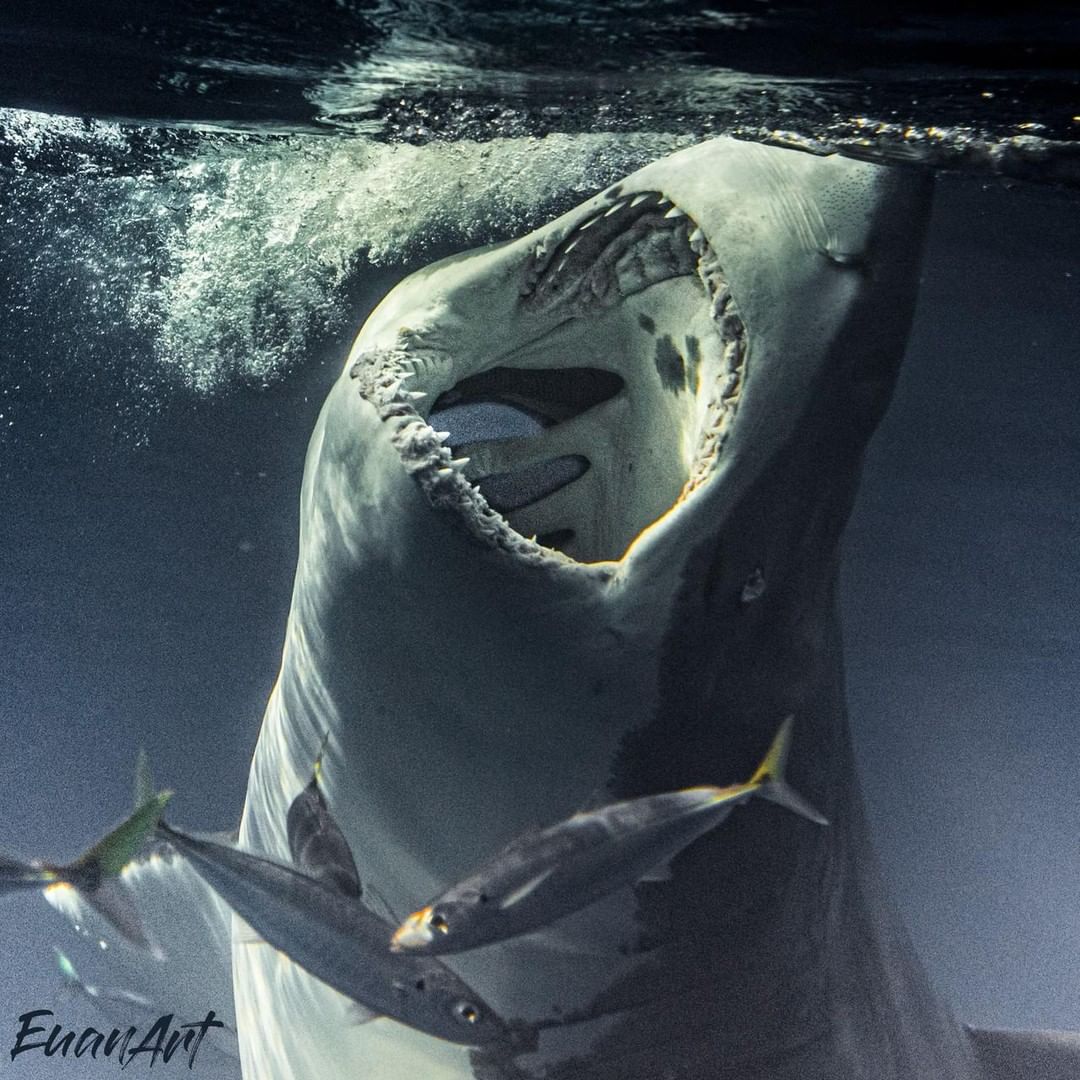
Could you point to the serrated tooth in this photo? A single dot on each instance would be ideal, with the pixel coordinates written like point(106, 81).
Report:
point(696, 236)
point(442, 436)
point(415, 395)
point(562, 264)
point(664, 201)
point(573, 244)
point(675, 212)
point(618, 206)
point(444, 472)
point(460, 463)
point(637, 199)
point(588, 224)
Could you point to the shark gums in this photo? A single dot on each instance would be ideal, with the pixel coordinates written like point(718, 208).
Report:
point(706, 348)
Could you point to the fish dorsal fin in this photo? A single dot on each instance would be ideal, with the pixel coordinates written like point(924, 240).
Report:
point(526, 889)
point(316, 843)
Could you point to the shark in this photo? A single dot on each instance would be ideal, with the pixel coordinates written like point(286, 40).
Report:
point(706, 347)
point(491, 630)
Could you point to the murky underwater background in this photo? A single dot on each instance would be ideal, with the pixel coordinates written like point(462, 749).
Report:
point(198, 207)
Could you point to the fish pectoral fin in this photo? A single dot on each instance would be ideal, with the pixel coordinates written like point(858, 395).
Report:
point(360, 1014)
point(527, 889)
point(660, 872)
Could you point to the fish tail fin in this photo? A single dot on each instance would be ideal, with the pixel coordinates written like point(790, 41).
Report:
point(108, 857)
point(768, 781)
point(95, 873)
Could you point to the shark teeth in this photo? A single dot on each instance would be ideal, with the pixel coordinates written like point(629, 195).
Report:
point(635, 242)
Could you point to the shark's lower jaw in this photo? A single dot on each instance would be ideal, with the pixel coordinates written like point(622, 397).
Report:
point(630, 387)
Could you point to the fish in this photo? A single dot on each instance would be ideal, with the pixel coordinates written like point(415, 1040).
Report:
point(96, 873)
point(546, 874)
point(338, 939)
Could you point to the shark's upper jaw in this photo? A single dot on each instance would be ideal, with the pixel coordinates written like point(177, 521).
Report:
point(630, 365)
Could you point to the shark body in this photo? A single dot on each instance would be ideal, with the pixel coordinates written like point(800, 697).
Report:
point(716, 337)
point(706, 348)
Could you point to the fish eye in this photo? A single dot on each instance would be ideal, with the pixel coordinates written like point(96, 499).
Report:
point(438, 922)
point(467, 1012)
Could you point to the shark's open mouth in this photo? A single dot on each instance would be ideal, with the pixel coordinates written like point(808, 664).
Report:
point(579, 439)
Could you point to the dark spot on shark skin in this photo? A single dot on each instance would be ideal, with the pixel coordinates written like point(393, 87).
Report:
point(646, 323)
point(670, 365)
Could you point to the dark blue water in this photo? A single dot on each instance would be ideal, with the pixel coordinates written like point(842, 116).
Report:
point(199, 204)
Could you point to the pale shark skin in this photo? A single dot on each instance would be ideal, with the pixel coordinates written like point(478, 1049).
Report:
point(474, 683)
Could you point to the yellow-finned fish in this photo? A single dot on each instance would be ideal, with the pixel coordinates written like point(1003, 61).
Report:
point(541, 876)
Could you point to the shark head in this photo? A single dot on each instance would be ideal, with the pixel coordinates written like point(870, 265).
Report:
point(623, 598)
point(664, 336)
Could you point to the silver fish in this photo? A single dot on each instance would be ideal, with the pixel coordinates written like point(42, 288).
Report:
point(343, 943)
point(543, 875)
